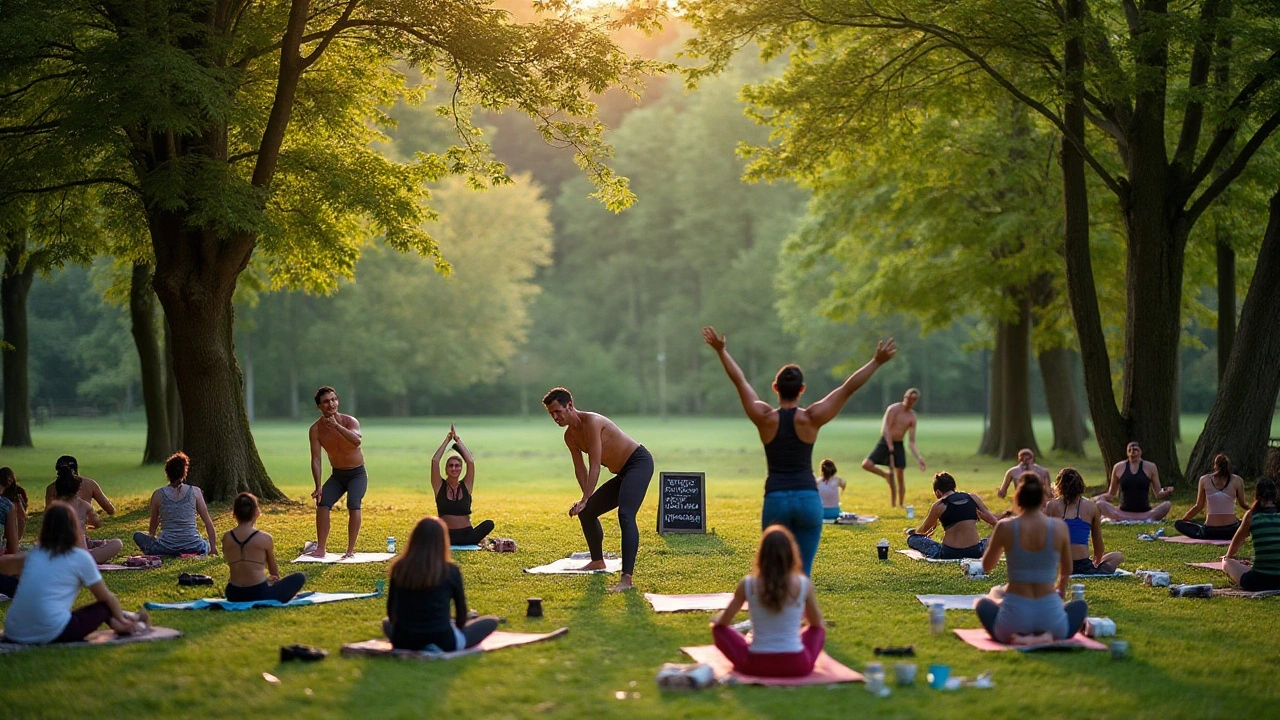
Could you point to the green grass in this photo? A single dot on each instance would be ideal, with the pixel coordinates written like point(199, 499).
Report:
point(1188, 658)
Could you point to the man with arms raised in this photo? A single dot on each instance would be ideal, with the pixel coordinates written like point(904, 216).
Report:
point(629, 461)
point(899, 420)
point(1026, 464)
point(339, 436)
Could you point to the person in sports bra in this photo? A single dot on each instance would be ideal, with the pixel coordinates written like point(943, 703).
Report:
point(788, 433)
point(1220, 491)
point(958, 513)
point(1262, 524)
point(1132, 480)
point(453, 493)
point(1084, 521)
point(251, 552)
point(1038, 559)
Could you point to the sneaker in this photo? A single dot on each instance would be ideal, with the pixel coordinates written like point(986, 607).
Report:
point(306, 653)
point(308, 547)
point(194, 579)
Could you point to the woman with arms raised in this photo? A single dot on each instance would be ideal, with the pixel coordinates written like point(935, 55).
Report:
point(453, 493)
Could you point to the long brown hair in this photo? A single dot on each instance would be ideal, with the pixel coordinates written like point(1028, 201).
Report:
point(1070, 485)
point(1222, 467)
point(60, 531)
point(68, 483)
point(828, 469)
point(776, 561)
point(426, 557)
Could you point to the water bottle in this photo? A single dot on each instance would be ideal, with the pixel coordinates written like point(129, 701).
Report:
point(937, 618)
point(391, 545)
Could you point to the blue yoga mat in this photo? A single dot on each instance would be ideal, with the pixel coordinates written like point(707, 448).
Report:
point(306, 598)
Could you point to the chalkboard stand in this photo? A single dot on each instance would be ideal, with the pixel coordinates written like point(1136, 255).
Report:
point(682, 502)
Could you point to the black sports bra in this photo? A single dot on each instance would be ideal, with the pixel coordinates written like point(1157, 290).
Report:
point(459, 506)
point(232, 534)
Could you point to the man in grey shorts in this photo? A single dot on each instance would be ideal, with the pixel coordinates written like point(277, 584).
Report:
point(339, 436)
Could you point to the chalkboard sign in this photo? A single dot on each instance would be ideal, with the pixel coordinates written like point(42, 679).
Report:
point(682, 502)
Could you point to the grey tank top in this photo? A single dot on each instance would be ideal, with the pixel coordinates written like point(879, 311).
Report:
point(1040, 566)
point(178, 517)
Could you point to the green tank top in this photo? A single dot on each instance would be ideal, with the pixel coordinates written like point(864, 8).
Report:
point(1265, 531)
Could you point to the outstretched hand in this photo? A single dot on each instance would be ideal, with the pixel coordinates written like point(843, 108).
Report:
point(885, 350)
point(717, 342)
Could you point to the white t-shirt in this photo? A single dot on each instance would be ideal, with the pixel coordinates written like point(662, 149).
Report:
point(775, 632)
point(49, 586)
point(829, 491)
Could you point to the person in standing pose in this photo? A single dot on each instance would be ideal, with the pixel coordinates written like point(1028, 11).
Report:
point(788, 432)
point(339, 436)
point(632, 465)
point(899, 420)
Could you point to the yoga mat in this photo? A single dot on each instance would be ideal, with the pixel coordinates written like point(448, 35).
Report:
point(688, 603)
point(825, 671)
point(112, 566)
point(1215, 565)
point(105, 636)
point(337, 559)
point(1193, 541)
point(306, 598)
point(979, 638)
point(567, 566)
point(1109, 521)
point(862, 520)
point(1116, 574)
point(951, 602)
point(1237, 592)
point(496, 641)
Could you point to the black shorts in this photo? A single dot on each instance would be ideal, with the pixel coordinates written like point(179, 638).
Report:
point(880, 454)
point(1085, 566)
point(350, 481)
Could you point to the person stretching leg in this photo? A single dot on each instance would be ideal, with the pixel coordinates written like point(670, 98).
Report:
point(339, 436)
point(899, 419)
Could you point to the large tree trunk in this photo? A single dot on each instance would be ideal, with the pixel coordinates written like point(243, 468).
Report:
point(1069, 431)
point(142, 316)
point(173, 401)
point(1240, 421)
point(990, 444)
point(1226, 303)
point(1017, 432)
point(14, 287)
point(195, 278)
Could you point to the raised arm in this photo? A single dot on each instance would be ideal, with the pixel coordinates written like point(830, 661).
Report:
point(756, 409)
point(1200, 502)
point(823, 411)
point(203, 511)
point(436, 479)
point(468, 477)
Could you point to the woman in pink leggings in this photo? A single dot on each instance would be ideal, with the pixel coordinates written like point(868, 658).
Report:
point(778, 595)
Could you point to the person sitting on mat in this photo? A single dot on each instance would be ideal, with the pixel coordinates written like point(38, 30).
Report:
point(249, 552)
point(52, 574)
point(453, 495)
point(68, 492)
point(778, 595)
point(1039, 562)
point(174, 509)
point(1221, 490)
point(1085, 521)
point(90, 490)
point(9, 522)
point(1262, 523)
point(829, 488)
point(10, 490)
point(1131, 479)
point(958, 512)
point(423, 582)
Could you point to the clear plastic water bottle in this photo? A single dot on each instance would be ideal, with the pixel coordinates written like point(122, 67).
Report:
point(391, 545)
point(937, 618)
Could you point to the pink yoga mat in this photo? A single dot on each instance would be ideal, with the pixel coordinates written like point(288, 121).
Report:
point(825, 671)
point(1194, 541)
point(979, 638)
point(496, 641)
point(705, 602)
point(1216, 565)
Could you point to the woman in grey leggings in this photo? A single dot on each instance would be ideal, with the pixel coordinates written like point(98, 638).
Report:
point(1039, 562)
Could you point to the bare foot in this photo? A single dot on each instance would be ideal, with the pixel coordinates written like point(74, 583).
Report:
point(593, 565)
point(318, 553)
point(623, 585)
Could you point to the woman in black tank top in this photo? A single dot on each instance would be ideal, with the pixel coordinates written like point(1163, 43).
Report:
point(1132, 479)
point(788, 433)
point(453, 493)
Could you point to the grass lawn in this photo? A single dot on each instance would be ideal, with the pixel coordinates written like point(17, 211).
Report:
point(1188, 658)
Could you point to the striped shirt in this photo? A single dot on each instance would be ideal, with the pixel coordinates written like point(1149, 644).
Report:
point(1265, 531)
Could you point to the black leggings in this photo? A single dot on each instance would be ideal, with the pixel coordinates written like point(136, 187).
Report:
point(474, 632)
point(283, 590)
point(1207, 532)
point(8, 585)
point(625, 491)
point(470, 535)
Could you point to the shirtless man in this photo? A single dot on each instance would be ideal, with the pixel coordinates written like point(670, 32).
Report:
point(899, 419)
point(339, 436)
point(1026, 464)
point(90, 490)
point(1131, 479)
point(629, 461)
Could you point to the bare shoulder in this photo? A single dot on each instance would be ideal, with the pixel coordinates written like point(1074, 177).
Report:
point(348, 421)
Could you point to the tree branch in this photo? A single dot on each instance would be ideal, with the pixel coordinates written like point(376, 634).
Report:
point(1232, 171)
point(10, 194)
point(1222, 139)
point(1193, 114)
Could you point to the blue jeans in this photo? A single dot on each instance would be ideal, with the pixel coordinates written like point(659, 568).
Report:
point(151, 546)
point(935, 550)
point(799, 511)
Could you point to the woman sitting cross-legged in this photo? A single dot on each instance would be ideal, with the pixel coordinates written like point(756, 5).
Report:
point(424, 581)
point(1084, 522)
point(1262, 523)
point(1221, 491)
point(1038, 550)
point(829, 488)
point(958, 512)
point(52, 574)
point(778, 596)
point(174, 509)
point(249, 552)
point(67, 491)
point(453, 493)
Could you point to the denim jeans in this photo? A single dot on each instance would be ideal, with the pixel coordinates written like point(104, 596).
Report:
point(799, 511)
point(935, 550)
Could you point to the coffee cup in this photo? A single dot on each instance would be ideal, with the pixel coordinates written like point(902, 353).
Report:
point(905, 673)
point(535, 608)
point(882, 549)
point(938, 675)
